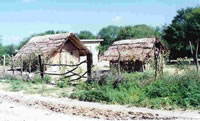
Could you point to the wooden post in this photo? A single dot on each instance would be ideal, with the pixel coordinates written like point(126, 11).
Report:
point(29, 65)
point(89, 67)
point(4, 63)
point(22, 64)
point(41, 67)
point(156, 62)
point(119, 67)
point(13, 65)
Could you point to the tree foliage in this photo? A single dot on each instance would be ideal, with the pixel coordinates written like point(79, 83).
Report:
point(193, 25)
point(175, 35)
point(138, 31)
point(1, 49)
point(86, 35)
point(109, 34)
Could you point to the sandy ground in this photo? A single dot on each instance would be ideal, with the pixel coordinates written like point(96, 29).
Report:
point(12, 111)
point(16, 112)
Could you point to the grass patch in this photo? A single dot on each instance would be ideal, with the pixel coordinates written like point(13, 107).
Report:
point(37, 86)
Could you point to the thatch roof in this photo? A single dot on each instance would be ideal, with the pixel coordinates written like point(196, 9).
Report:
point(134, 49)
point(49, 44)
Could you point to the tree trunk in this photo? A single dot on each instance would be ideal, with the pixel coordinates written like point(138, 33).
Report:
point(116, 82)
point(195, 55)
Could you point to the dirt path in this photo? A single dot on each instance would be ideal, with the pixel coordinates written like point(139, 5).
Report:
point(46, 107)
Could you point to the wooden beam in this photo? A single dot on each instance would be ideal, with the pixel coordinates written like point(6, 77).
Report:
point(22, 64)
point(41, 67)
point(89, 67)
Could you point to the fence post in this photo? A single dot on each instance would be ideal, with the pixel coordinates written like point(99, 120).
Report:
point(41, 66)
point(89, 67)
point(4, 63)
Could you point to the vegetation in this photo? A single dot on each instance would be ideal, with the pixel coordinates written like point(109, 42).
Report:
point(139, 89)
point(36, 86)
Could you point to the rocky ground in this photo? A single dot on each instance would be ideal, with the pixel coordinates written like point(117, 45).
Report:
point(16, 106)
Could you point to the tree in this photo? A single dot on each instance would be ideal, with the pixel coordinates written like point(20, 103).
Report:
point(183, 34)
point(175, 35)
point(10, 49)
point(109, 34)
point(138, 31)
point(1, 49)
point(86, 35)
point(192, 33)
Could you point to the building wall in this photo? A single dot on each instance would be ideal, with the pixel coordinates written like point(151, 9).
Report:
point(93, 48)
point(69, 54)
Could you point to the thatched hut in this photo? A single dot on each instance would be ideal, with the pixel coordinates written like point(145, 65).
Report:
point(133, 54)
point(63, 48)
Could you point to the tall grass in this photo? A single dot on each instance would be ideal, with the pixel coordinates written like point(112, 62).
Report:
point(139, 89)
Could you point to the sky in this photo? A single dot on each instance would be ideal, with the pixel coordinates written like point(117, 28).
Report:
point(21, 18)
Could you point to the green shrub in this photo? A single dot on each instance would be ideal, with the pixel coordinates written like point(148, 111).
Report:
point(63, 84)
point(169, 91)
point(39, 80)
point(17, 85)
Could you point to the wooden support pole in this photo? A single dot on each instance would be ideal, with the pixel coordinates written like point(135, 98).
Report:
point(118, 66)
point(22, 64)
point(4, 63)
point(41, 67)
point(29, 65)
point(156, 62)
point(89, 67)
point(13, 65)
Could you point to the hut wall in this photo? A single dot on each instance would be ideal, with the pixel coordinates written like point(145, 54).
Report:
point(128, 66)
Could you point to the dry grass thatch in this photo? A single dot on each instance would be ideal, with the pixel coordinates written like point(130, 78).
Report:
point(131, 50)
point(50, 44)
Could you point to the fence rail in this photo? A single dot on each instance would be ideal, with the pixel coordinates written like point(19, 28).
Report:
point(76, 66)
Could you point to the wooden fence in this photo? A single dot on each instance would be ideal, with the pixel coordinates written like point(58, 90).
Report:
point(70, 73)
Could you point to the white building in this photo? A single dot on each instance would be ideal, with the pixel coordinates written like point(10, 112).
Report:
point(92, 45)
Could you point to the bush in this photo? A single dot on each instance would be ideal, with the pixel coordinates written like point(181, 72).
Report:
point(38, 79)
point(17, 85)
point(167, 92)
point(63, 83)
